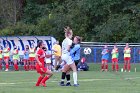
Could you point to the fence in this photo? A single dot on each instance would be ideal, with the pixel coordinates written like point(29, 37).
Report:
point(95, 49)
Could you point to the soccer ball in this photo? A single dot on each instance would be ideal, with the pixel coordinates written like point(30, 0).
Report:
point(87, 51)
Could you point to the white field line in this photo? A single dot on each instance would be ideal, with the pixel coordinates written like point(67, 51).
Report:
point(132, 78)
point(81, 80)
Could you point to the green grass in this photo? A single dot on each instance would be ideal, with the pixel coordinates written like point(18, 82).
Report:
point(90, 82)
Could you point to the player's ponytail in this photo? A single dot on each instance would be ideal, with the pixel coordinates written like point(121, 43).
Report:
point(38, 44)
point(68, 32)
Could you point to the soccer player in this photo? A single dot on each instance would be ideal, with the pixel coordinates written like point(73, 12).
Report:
point(105, 57)
point(75, 53)
point(6, 52)
point(45, 74)
point(32, 57)
point(15, 58)
point(115, 56)
point(1, 49)
point(26, 58)
point(66, 44)
point(127, 57)
point(57, 53)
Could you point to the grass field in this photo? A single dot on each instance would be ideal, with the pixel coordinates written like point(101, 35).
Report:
point(92, 81)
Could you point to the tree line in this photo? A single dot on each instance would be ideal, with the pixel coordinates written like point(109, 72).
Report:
point(93, 20)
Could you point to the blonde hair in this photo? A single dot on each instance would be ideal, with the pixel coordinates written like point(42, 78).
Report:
point(68, 32)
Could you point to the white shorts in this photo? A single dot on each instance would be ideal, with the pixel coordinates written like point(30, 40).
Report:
point(47, 60)
point(67, 58)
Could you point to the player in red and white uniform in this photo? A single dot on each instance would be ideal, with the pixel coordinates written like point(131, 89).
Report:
point(32, 57)
point(15, 58)
point(45, 73)
point(127, 58)
point(115, 56)
point(6, 52)
point(1, 49)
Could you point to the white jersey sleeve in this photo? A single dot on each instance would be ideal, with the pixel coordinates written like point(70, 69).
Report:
point(66, 42)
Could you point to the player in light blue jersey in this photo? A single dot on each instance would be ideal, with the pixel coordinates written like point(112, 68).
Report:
point(26, 58)
point(105, 57)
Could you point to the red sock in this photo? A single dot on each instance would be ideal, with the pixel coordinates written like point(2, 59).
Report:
point(34, 68)
point(106, 67)
point(25, 67)
point(117, 67)
point(113, 67)
point(16, 67)
point(30, 67)
point(129, 67)
point(39, 80)
point(0, 66)
point(125, 66)
point(102, 66)
point(45, 79)
point(7, 66)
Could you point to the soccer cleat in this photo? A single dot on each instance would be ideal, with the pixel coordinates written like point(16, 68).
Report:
point(129, 71)
point(62, 83)
point(6, 70)
point(76, 85)
point(68, 84)
point(37, 85)
point(102, 70)
point(43, 84)
point(106, 70)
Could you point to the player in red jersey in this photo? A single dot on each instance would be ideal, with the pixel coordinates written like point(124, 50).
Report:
point(115, 56)
point(6, 56)
point(127, 58)
point(15, 58)
point(32, 57)
point(45, 73)
point(1, 49)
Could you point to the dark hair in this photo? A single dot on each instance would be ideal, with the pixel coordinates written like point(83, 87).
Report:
point(38, 44)
point(44, 48)
point(79, 39)
point(27, 46)
point(1, 47)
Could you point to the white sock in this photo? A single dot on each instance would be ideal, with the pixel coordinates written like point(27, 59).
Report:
point(75, 77)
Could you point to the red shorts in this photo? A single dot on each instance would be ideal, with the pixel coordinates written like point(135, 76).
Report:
point(5, 58)
point(32, 58)
point(104, 60)
point(38, 69)
point(127, 58)
point(115, 60)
